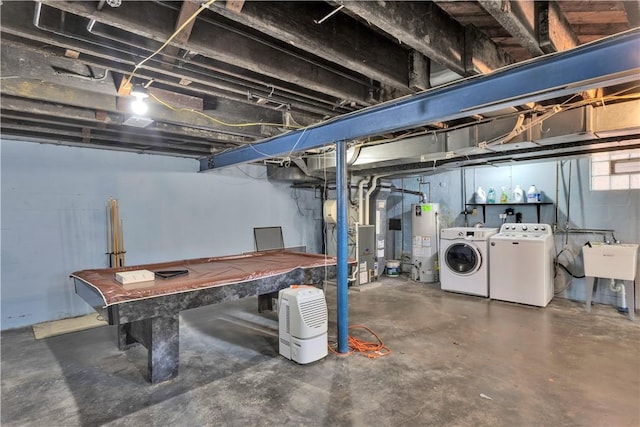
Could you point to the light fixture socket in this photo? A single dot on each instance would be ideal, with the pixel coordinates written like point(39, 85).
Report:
point(139, 91)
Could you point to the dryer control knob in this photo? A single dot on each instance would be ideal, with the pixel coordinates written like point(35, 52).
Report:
point(524, 228)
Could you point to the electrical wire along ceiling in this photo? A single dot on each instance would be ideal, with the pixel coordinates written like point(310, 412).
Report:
point(283, 81)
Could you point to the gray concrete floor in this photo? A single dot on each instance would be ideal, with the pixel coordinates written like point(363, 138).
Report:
point(456, 360)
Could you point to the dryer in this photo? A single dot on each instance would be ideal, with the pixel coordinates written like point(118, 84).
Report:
point(464, 264)
point(521, 264)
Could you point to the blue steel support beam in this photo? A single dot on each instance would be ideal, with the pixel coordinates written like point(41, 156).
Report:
point(601, 64)
point(343, 262)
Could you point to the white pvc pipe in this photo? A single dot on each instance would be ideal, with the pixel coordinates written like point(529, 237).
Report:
point(619, 287)
point(370, 191)
point(361, 201)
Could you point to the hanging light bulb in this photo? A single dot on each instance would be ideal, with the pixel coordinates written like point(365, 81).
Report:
point(139, 106)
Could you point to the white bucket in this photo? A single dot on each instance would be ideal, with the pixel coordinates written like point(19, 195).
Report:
point(392, 268)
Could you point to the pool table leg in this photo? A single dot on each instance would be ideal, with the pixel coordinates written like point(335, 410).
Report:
point(161, 337)
point(265, 302)
point(125, 340)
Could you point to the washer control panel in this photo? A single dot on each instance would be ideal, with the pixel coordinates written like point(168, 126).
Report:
point(525, 230)
point(467, 233)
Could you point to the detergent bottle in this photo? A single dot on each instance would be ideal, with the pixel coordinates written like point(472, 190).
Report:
point(504, 197)
point(481, 196)
point(532, 194)
point(491, 196)
point(518, 195)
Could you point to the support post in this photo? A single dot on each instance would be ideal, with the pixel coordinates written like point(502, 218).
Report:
point(343, 262)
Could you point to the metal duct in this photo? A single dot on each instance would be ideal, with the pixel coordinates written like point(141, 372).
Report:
point(291, 173)
point(387, 154)
point(378, 218)
point(585, 123)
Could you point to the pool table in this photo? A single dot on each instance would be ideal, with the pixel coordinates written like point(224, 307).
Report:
point(147, 313)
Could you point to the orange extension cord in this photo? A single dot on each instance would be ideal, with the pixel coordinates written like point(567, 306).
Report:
point(369, 349)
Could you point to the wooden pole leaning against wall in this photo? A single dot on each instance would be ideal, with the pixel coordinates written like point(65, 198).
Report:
point(115, 235)
point(109, 234)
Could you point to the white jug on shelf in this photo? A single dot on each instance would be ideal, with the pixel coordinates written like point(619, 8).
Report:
point(518, 195)
point(532, 194)
point(481, 196)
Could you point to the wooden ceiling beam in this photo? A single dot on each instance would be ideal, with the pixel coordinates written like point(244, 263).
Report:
point(187, 9)
point(232, 47)
point(554, 32)
point(428, 29)
point(235, 5)
point(71, 135)
point(99, 57)
point(338, 39)
point(441, 40)
point(519, 19)
point(539, 26)
point(49, 113)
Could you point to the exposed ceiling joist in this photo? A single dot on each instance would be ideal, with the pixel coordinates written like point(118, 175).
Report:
point(519, 19)
point(186, 11)
point(293, 64)
point(335, 39)
point(554, 32)
point(443, 40)
point(612, 61)
point(213, 40)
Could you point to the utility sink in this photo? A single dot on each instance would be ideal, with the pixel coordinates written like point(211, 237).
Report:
point(617, 261)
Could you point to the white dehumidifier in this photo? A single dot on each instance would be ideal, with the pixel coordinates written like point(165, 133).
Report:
point(303, 321)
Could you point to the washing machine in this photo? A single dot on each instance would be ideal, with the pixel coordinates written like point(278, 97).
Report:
point(464, 265)
point(521, 264)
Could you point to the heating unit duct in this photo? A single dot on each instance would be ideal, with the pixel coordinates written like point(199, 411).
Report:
point(378, 218)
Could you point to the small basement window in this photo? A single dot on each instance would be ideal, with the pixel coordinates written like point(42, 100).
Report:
point(615, 171)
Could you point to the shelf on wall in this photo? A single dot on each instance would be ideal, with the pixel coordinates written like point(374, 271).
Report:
point(484, 207)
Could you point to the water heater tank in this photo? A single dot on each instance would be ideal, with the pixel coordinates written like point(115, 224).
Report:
point(424, 247)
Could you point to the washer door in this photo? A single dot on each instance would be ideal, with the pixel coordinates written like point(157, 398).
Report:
point(463, 258)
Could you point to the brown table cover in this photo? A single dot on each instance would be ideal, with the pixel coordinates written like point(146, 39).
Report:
point(202, 273)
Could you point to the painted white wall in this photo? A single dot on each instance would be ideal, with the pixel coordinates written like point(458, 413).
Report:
point(617, 210)
point(53, 215)
point(53, 218)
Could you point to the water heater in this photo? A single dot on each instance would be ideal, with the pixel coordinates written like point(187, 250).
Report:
point(424, 246)
point(303, 324)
